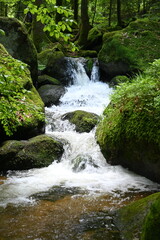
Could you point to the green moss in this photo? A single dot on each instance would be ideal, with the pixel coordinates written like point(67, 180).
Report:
point(39, 151)
point(20, 104)
point(48, 57)
point(84, 121)
point(130, 219)
point(151, 227)
point(132, 120)
point(132, 45)
point(45, 79)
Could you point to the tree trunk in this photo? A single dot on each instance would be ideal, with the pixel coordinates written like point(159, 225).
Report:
point(38, 35)
point(119, 20)
point(110, 13)
point(94, 13)
point(58, 16)
point(85, 27)
point(75, 5)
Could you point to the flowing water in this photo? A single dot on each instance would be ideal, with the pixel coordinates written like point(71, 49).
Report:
point(71, 199)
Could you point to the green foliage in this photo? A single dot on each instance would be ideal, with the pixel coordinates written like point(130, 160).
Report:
point(2, 33)
point(134, 112)
point(46, 14)
point(15, 106)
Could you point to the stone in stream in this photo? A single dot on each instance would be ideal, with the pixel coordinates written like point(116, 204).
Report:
point(84, 121)
point(37, 152)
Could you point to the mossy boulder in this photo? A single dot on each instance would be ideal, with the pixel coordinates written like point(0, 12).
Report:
point(130, 220)
point(129, 133)
point(21, 108)
point(18, 44)
point(56, 65)
point(37, 152)
point(94, 40)
point(45, 79)
point(84, 121)
point(118, 79)
point(48, 57)
point(129, 50)
point(51, 94)
point(151, 226)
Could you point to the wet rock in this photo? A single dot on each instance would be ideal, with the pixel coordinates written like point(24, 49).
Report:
point(51, 94)
point(37, 152)
point(130, 220)
point(82, 161)
point(18, 44)
point(84, 121)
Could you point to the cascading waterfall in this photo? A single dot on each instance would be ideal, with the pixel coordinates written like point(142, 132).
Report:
point(96, 177)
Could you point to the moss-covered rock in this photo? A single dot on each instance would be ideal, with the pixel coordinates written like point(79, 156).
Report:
point(129, 133)
point(51, 94)
point(21, 108)
point(94, 39)
point(56, 65)
point(18, 44)
point(37, 152)
point(131, 49)
point(84, 121)
point(130, 219)
point(48, 57)
point(118, 79)
point(151, 226)
point(45, 79)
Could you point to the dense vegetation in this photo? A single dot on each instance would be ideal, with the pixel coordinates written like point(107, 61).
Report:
point(17, 96)
point(134, 110)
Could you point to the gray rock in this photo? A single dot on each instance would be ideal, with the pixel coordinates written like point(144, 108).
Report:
point(51, 94)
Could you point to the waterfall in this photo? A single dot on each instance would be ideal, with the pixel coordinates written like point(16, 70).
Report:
point(82, 165)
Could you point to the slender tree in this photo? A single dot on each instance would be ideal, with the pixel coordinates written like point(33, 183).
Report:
point(119, 20)
point(85, 26)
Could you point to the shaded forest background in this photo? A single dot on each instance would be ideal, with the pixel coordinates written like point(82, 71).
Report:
point(69, 21)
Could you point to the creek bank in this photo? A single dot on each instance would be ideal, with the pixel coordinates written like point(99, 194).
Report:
point(83, 121)
point(18, 44)
point(36, 152)
point(130, 50)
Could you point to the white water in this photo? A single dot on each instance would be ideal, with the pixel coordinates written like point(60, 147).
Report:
point(98, 177)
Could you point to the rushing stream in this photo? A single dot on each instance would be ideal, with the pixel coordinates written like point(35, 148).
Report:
point(63, 200)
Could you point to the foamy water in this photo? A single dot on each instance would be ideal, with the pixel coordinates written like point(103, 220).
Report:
point(96, 177)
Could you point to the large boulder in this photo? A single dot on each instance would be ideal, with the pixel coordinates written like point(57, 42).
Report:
point(51, 94)
point(140, 220)
point(21, 108)
point(151, 229)
point(129, 133)
point(18, 44)
point(37, 152)
point(56, 65)
point(129, 50)
point(83, 121)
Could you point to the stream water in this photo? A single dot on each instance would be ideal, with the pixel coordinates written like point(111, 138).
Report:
point(64, 200)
